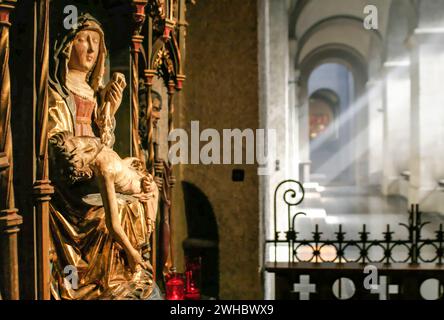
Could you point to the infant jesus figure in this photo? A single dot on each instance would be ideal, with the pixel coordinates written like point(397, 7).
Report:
point(87, 157)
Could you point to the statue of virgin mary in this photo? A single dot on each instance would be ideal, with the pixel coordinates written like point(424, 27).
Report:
point(89, 261)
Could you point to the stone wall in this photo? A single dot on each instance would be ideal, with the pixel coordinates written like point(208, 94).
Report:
point(221, 92)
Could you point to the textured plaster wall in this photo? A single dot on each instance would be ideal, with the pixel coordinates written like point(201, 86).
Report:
point(221, 92)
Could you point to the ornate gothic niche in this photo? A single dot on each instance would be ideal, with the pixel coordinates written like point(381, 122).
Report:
point(166, 61)
point(158, 11)
point(160, 70)
point(163, 82)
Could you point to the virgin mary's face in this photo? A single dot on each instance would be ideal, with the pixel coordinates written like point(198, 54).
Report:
point(85, 50)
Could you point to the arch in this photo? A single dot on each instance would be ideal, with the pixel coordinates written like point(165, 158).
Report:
point(338, 53)
point(328, 96)
point(356, 64)
point(331, 123)
point(203, 236)
point(294, 16)
point(166, 59)
point(311, 12)
point(328, 21)
point(329, 108)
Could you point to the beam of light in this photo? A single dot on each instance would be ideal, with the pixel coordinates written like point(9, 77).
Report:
point(343, 120)
point(354, 146)
point(314, 213)
point(361, 102)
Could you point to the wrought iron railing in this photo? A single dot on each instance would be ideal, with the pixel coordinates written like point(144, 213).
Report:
point(313, 272)
point(415, 246)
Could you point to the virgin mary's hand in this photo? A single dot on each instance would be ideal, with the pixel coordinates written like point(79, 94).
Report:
point(114, 91)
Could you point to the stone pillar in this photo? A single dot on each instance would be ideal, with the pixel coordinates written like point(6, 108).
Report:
point(278, 110)
point(277, 113)
point(427, 113)
point(360, 128)
point(293, 132)
point(375, 133)
point(304, 139)
point(396, 125)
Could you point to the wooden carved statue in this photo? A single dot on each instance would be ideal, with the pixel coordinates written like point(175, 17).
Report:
point(165, 181)
point(163, 178)
point(104, 208)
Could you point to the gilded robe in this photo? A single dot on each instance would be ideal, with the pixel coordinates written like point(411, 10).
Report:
point(80, 240)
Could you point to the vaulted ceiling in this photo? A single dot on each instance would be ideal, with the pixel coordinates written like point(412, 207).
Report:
point(334, 30)
point(323, 23)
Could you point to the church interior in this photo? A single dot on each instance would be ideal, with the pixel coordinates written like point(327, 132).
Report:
point(221, 150)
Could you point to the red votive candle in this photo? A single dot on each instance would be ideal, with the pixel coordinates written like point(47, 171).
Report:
point(175, 287)
point(192, 273)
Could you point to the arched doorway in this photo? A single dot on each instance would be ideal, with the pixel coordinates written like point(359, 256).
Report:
point(331, 93)
point(203, 237)
point(323, 110)
point(342, 70)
